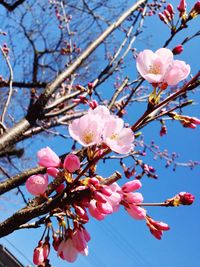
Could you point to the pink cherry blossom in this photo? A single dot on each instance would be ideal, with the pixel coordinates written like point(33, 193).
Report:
point(71, 163)
point(48, 158)
point(131, 186)
point(37, 184)
point(79, 241)
point(38, 257)
point(86, 234)
point(131, 200)
point(153, 67)
point(94, 211)
point(67, 251)
point(46, 248)
point(136, 212)
point(133, 197)
point(178, 72)
point(52, 171)
point(81, 212)
point(86, 130)
point(118, 138)
point(105, 208)
point(156, 228)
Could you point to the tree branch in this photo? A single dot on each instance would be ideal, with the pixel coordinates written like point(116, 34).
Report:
point(12, 135)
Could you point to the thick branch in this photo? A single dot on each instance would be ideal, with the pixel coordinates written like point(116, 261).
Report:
point(12, 7)
point(26, 214)
point(13, 134)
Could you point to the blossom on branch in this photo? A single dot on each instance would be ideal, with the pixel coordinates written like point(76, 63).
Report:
point(48, 158)
point(99, 126)
point(160, 67)
point(37, 184)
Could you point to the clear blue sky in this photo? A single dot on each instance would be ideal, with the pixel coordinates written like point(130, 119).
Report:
point(119, 240)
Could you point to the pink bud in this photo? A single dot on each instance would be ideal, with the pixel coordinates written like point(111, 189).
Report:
point(106, 190)
point(131, 186)
point(170, 9)
point(94, 212)
point(167, 14)
point(186, 198)
point(137, 213)
point(163, 18)
point(105, 208)
point(182, 7)
point(38, 257)
point(163, 130)
point(81, 212)
point(133, 198)
point(53, 171)
point(46, 248)
point(37, 184)
point(99, 197)
point(48, 158)
point(156, 233)
point(93, 104)
point(71, 163)
point(196, 7)
point(56, 242)
point(90, 85)
point(177, 50)
point(94, 181)
point(195, 120)
point(86, 235)
point(161, 226)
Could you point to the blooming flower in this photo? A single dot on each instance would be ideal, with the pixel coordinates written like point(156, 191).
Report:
point(153, 67)
point(86, 130)
point(37, 184)
point(178, 72)
point(117, 137)
point(159, 67)
point(67, 251)
point(98, 126)
point(80, 241)
point(48, 158)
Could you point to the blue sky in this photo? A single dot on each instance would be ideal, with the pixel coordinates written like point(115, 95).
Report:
point(119, 240)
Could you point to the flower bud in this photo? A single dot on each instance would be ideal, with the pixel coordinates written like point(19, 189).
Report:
point(37, 184)
point(46, 248)
point(182, 7)
point(52, 171)
point(170, 9)
point(186, 198)
point(93, 104)
point(163, 18)
point(131, 186)
point(71, 163)
point(90, 85)
point(177, 50)
point(167, 14)
point(48, 158)
point(38, 257)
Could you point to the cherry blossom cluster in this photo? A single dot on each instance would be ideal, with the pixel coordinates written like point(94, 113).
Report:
point(160, 68)
point(100, 200)
point(99, 126)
